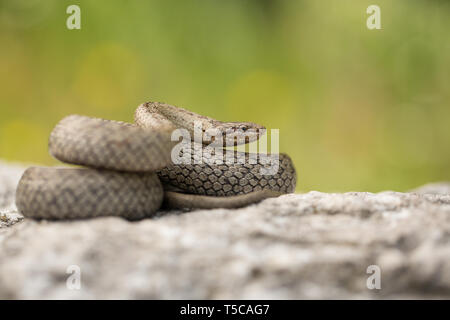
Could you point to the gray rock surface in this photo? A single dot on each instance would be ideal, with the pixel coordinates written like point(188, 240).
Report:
point(9, 177)
point(312, 245)
point(435, 188)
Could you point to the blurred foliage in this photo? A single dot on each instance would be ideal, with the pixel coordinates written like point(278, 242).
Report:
point(357, 109)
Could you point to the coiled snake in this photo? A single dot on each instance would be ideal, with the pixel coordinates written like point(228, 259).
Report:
point(130, 167)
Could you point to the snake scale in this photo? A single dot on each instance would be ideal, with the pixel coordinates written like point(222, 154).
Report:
point(128, 169)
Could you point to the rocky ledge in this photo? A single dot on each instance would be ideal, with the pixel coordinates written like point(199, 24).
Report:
point(312, 245)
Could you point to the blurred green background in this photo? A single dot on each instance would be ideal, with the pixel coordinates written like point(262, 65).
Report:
point(357, 109)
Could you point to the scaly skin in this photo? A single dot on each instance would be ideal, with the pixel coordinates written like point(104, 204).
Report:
point(73, 193)
point(236, 183)
point(123, 158)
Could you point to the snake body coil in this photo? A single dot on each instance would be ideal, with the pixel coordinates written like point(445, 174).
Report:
point(58, 193)
point(125, 160)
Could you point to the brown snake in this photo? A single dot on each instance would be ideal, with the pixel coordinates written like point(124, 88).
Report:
point(131, 169)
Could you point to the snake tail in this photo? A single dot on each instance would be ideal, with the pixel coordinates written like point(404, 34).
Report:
point(175, 200)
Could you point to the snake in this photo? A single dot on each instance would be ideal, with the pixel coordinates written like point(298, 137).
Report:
point(128, 169)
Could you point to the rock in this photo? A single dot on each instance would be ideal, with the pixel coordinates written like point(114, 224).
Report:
point(9, 177)
point(312, 245)
point(434, 188)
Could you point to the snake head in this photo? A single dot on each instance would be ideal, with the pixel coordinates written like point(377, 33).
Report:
point(237, 133)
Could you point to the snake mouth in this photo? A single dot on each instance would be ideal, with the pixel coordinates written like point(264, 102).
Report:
point(217, 137)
